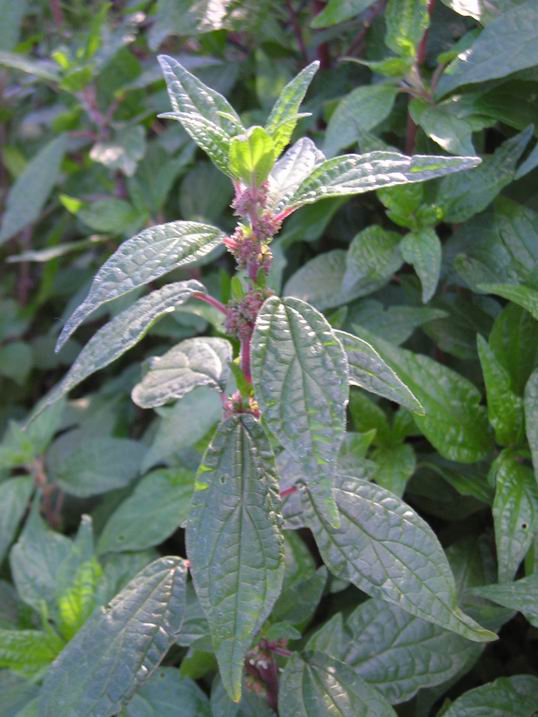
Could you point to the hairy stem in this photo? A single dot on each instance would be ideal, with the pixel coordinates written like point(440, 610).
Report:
point(368, 17)
point(245, 358)
point(207, 299)
point(411, 134)
point(296, 25)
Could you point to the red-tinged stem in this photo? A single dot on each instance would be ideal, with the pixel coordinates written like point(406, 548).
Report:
point(245, 358)
point(368, 17)
point(323, 49)
point(280, 651)
point(297, 30)
point(206, 298)
point(411, 134)
point(288, 491)
point(57, 14)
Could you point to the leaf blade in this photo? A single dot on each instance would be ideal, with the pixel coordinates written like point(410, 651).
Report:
point(119, 647)
point(147, 256)
point(235, 508)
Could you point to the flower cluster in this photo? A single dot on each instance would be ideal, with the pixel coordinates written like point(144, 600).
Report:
point(241, 314)
point(249, 250)
point(235, 404)
point(249, 244)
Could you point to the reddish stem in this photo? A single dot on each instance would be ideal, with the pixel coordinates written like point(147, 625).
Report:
point(288, 491)
point(206, 298)
point(323, 49)
point(368, 17)
point(245, 358)
point(57, 14)
point(411, 134)
point(297, 30)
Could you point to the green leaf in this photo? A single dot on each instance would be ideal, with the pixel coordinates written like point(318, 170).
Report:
point(499, 249)
point(442, 124)
point(159, 504)
point(202, 361)
point(514, 513)
point(283, 117)
point(36, 561)
point(514, 340)
point(406, 21)
point(121, 645)
point(320, 281)
point(530, 403)
point(394, 324)
point(44, 70)
point(191, 96)
point(354, 174)
point(182, 425)
point(122, 333)
point(299, 599)
point(508, 44)
point(16, 693)
point(468, 194)
point(12, 15)
point(16, 361)
point(290, 170)
point(28, 651)
point(505, 697)
point(368, 371)
point(336, 11)
point(234, 541)
point(252, 156)
point(362, 109)
point(316, 685)
point(167, 694)
point(505, 408)
point(423, 250)
point(85, 466)
point(123, 152)
point(208, 136)
point(299, 372)
point(205, 114)
point(520, 595)
point(524, 296)
point(77, 603)
point(454, 422)
point(114, 216)
point(395, 466)
point(372, 258)
point(388, 551)
point(14, 497)
point(28, 195)
point(398, 653)
point(140, 260)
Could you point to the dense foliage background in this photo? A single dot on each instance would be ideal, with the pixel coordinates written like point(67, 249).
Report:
point(445, 270)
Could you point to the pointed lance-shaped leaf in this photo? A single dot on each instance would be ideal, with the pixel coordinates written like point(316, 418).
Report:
point(191, 96)
point(316, 685)
point(351, 174)
point(505, 697)
point(283, 117)
point(122, 333)
point(138, 261)
point(290, 170)
point(119, 647)
point(388, 551)
point(205, 114)
point(201, 361)
point(234, 541)
point(300, 377)
point(368, 371)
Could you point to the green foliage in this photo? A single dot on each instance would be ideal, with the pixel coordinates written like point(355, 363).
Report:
point(340, 424)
